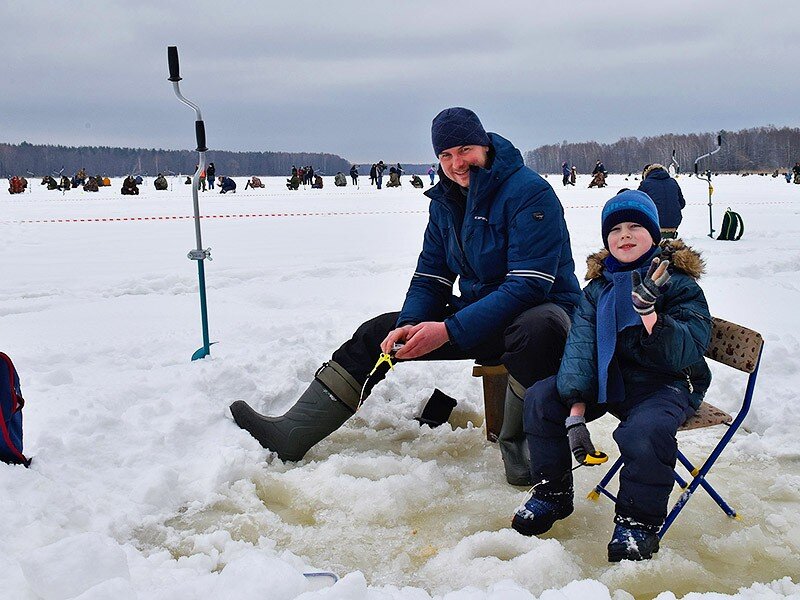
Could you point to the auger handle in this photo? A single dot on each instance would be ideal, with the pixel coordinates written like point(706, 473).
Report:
point(200, 134)
point(174, 68)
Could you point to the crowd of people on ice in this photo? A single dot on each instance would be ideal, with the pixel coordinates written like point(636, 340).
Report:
point(304, 176)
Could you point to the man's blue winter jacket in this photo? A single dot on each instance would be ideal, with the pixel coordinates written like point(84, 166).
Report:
point(506, 241)
point(667, 196)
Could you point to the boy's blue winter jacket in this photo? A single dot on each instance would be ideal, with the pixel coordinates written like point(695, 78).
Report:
point(672, 354)
point(506, 241)
point(666, 194)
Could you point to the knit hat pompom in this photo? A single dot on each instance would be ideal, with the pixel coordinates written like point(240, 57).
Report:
point(631, 206)
point(457, 126)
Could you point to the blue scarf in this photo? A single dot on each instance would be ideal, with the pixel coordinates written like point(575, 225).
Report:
point(615, 312)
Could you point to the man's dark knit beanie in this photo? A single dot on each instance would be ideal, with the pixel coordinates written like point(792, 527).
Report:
point(457, 126)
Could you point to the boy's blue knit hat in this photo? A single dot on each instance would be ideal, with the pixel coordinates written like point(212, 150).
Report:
point(631, 206)
point(457, 126)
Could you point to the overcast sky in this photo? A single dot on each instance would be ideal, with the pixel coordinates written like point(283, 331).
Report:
point(364, 79)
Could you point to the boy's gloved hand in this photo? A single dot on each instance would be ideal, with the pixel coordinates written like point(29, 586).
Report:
point(646, 292)
point(580, 442)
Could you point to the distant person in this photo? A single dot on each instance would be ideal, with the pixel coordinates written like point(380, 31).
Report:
point(129, 187)
point(211, 172)
point(339, 180)
point(226, 184)
point(379, 173)
point(201, 183)
point(17, 185)
point(796, 171)
point(573, 175)
point(253, 182)
point(65, 183)
point(160, 182)
point(432, 173)
point(394, 178)
point(599, 167)
point(598, 180)
point(354, 174)
point(417, 182)
point(293, 183)
point(91, 185)
point(565, 172)
point(317, 185)
point(788, 176)
point(666, 194)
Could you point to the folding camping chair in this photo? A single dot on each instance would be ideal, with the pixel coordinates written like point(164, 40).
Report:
point(737, 347)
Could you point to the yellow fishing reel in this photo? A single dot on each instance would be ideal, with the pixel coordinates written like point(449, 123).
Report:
point(595, 458)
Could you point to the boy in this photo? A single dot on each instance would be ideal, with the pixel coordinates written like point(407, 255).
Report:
point(635, 350)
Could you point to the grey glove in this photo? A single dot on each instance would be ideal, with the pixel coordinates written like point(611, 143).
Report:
point(580, 442)
point(646, 292)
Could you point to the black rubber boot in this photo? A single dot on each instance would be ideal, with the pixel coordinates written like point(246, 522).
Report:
point(632, 543)
point(512, 441)
point(318, 413)
point(538, 514)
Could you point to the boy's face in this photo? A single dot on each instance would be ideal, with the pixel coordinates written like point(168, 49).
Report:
point(629, 241)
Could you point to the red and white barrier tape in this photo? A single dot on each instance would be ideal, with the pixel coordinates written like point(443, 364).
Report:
point(227, 216)
point(300, 214)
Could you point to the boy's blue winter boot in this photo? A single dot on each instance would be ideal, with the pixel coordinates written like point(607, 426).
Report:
point(630, 542)
point(538, 514)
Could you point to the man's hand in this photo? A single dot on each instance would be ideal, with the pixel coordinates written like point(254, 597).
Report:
point(580, 442)
point(419, 339)
point(395, 335)
point(646, 292)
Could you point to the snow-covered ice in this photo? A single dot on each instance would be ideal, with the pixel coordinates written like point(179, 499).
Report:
point(143, 487)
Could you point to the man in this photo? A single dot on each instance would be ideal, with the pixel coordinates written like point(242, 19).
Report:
point(599, 167)
point(665, 192)
point(499, 228)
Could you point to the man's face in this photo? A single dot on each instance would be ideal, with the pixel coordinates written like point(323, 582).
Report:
point(457, 160)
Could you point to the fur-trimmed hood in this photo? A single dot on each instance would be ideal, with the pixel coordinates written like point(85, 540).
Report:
point(682, 258)
point(650, 168)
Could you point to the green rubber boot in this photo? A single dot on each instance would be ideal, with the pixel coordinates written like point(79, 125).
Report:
point(329, 401)
point(512, 441)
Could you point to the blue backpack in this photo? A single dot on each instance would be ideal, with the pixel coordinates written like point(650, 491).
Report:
point(11, 403)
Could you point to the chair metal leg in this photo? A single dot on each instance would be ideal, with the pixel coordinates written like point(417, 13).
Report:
point(705, 484)
point(600, 488)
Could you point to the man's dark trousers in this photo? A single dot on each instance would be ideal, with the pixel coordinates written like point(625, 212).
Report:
point(530, 347)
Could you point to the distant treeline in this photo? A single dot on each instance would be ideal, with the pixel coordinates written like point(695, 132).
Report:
point(25, 158)
point(761, 149)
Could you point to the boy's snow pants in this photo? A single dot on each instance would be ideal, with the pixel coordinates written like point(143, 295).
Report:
point(649, 419)
point(530, 347)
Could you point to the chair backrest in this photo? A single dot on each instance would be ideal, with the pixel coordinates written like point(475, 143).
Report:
point(734, 345)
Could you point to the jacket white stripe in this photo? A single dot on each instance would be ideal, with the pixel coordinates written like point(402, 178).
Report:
point(443, 280)
point(531, 273)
